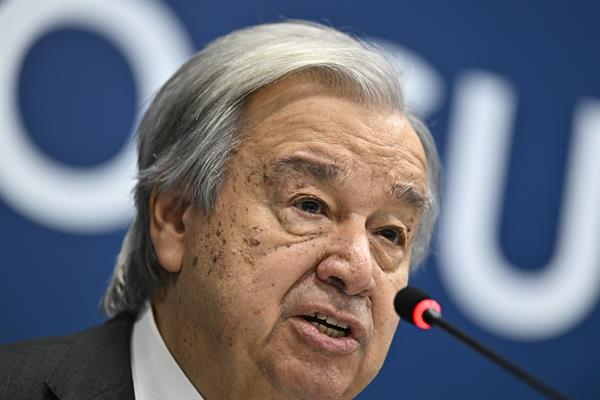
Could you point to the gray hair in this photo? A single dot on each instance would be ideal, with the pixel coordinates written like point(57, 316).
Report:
point(193, 126)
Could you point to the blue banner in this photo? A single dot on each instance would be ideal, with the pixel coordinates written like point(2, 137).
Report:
point(511, 91)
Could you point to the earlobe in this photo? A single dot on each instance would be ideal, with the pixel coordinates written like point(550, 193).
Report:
point(167, 229)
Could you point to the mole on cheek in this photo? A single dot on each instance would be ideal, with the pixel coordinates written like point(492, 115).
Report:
point(216, 255)
point(213, 265)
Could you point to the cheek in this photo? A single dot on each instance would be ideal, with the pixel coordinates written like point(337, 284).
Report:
point(279, 266)
point(255, 271)
point(386, 322)
point(385, 317)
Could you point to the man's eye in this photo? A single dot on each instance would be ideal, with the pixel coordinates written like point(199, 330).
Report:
point(393, 235)
point(310, 206)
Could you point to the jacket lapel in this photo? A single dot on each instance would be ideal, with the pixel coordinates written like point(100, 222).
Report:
point(98, 366)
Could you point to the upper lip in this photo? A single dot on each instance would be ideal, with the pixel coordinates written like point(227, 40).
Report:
point(357, 328)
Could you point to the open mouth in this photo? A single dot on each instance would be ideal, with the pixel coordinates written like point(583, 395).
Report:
point(328, 325)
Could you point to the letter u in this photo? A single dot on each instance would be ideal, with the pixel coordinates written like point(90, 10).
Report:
point(497, 296)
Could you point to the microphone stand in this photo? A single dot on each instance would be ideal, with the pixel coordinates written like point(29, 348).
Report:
point(433, 317)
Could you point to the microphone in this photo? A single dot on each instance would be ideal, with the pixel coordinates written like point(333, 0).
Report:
point(414, 306)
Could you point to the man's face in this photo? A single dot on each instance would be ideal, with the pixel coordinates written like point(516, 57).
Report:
point(287, 288)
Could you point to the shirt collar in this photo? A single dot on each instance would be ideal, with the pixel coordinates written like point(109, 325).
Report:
point(156, 374)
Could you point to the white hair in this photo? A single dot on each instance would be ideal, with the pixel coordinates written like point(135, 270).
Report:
point(194, 124)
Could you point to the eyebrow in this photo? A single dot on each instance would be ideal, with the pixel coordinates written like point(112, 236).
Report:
point(325, 172)
point(322, 172)
point(409, 194)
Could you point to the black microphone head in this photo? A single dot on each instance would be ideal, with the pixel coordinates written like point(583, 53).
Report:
point(411, 303)
point(406, 300)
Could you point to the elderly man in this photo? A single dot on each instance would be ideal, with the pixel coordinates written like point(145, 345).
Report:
point(284, 192)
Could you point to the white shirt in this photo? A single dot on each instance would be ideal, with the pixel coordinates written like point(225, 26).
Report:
point(156, 374)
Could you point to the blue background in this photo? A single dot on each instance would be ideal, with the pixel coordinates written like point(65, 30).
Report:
point(52, 280)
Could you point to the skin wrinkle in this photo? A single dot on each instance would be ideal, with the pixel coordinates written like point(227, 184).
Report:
point(278, 259)
point(295, 167)
point(323, 171)
point(368, 143)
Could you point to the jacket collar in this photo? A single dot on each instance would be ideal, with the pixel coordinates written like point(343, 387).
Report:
point(98, 365)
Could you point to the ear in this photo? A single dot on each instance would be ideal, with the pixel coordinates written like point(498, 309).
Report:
point(167, 229)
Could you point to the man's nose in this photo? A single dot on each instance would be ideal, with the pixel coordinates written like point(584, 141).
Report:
point(348, 265)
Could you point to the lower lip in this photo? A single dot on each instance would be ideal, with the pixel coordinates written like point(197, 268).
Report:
point(341, 345)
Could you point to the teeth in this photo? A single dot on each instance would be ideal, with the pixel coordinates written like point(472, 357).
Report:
point(331, 321)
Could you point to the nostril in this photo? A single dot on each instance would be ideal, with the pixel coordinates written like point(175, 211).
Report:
point(337, 283)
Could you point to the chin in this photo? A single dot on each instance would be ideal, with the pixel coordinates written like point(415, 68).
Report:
point(295, 379)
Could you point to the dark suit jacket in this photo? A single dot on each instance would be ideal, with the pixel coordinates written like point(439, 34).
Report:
point(94, 364)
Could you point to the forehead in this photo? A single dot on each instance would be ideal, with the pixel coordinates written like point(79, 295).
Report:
point(301, 117)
